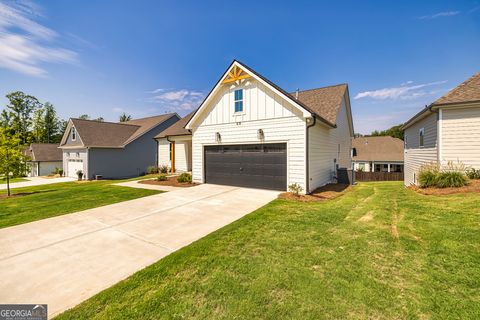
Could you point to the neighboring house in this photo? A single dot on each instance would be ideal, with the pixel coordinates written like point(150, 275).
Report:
point(112, 150)
point(378, 154)
point(447, 130)
point(44, 159)
point(249, 132)
point(175, 146)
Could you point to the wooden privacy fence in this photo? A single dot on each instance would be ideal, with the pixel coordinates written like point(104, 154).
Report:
point(378, 176)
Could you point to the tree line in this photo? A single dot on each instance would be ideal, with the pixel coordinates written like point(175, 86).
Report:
point(395, 131)
point(30, 120)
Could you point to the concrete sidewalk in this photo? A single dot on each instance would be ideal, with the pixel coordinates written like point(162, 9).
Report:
point(64, 260)
point(36, 181)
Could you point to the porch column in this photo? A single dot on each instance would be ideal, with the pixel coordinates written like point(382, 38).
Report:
point(389, 167)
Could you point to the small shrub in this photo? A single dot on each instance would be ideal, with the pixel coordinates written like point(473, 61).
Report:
point(472, 173)
point(451, 179)
point(163, 169)
point(79, 174)
point(185, 177)
point(152, 169)
point(60, 172)
point(162, 177)
point(295, 188)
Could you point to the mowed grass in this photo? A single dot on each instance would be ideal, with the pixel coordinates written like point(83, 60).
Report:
point(12, 180)
point(378, 252)
point(40, 202)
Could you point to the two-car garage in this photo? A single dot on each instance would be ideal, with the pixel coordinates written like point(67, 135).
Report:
point(247, 165)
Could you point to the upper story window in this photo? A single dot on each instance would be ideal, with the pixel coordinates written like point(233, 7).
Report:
point(421, 134)
point(239, 100)
point(74, 134)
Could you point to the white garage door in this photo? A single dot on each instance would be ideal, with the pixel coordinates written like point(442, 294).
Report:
point(73, 167)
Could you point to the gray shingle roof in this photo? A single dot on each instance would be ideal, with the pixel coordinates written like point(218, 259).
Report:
point(178, 128)
point(383, 148)
point(325, 102)
point(44, 152)
point(111, 134)
point(468, 91)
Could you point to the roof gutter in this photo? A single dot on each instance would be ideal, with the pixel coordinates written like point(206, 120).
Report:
point(307, 165)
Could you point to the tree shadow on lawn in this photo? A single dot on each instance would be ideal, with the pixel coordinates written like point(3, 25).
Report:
point(22, 194)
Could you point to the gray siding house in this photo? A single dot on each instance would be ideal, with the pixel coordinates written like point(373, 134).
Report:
point(112, 150)
point(446, 131)
point(44, 158)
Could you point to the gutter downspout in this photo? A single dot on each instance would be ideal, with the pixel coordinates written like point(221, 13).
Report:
point(307, 165)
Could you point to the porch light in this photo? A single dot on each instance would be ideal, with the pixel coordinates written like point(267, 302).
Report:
point(260, 134)
point(218, 137)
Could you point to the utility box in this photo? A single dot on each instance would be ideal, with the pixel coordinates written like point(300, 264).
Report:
point(345, 176)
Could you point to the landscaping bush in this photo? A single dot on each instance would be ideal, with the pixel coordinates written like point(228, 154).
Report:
point(80, 175)
point(185, 177)
point(428, 175)
point(295, 188)
point(164, 169)
point(451, 179)
point(162, 177)
point(152, 169)
point(472, 173)
point(453, 176)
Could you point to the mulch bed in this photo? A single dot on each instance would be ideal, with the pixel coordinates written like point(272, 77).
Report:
point(473, 186)
point(172, 182)
point(327, 192)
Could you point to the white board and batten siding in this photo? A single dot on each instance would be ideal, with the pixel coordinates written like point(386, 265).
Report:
point(415, 155)
point(329, 147)
point(164, 152)
point(183, 153)
point(280, 121)
point(461, 136)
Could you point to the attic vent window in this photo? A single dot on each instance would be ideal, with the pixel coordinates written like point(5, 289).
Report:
point(239, 100)
point(74, 134)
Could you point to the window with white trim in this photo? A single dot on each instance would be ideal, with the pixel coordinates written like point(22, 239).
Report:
point(74, 134)
point(238, 98)
point(421, 134)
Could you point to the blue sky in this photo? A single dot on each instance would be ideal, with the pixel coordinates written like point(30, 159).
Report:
point(103, 58)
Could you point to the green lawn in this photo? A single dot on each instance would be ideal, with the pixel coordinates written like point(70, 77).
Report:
point(380, 252)
point(51, 200)
point(12, 180)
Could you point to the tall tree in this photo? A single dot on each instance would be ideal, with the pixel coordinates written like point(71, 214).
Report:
point(38, 125)
point(12, 158)
point(51, 123)
point(84, 117)
point(21, 107)
point(125, 117)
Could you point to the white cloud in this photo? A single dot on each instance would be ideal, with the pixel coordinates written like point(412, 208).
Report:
point(118, 110)
point(439, 15)
point(404, 91)
point(474, 9)
point(176, 100)
point(24, 43)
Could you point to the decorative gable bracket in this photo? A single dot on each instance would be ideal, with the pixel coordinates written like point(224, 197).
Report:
point(235, 75)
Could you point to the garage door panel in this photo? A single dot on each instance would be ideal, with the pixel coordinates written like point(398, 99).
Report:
point(256, 166)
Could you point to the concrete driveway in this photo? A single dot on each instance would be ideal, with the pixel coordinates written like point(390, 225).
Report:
point(64, 260)
point(35, 181)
